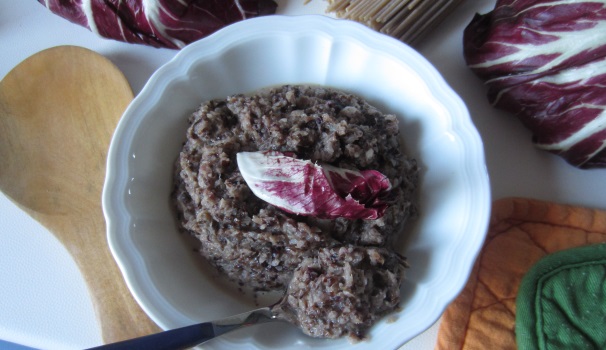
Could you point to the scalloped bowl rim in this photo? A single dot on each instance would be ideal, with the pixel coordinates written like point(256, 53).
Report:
point(434, 295)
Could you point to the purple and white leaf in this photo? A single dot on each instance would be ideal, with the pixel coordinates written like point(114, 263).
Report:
point(545, 61)
point(159, 23)
point(304, 188)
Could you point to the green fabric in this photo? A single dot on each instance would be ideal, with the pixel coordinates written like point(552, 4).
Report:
point(561, 301)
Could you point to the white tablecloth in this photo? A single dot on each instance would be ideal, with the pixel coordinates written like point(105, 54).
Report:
point(43, 299)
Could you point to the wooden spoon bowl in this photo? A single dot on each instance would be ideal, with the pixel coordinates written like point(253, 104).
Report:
point(58, 111)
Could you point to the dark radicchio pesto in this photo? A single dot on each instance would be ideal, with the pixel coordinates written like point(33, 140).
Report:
point(278, 247)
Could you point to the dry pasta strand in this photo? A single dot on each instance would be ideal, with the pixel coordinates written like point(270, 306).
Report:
point(406, 20)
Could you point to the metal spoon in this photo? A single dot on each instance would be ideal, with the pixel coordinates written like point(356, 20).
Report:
point(189, 336)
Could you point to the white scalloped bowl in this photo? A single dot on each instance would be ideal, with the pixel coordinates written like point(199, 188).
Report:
point(161, 269)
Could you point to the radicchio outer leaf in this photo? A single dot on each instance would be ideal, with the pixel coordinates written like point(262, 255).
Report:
point(304, 188)
point(545, 60)
point(159, 23)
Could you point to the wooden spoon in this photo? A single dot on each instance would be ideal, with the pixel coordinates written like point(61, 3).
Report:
point(58, 110)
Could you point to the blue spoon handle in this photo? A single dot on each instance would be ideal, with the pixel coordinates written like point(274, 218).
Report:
point(190, 336)
point(180, 338)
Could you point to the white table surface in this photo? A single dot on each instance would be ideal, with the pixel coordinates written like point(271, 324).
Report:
point(43, 298)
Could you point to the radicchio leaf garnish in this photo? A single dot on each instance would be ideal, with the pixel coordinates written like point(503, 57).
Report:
point(301, 187)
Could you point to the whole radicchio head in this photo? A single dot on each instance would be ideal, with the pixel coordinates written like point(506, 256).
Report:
point(160, 23)
point(545, 61)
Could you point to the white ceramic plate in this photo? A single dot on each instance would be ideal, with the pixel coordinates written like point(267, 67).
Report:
point(169, 280)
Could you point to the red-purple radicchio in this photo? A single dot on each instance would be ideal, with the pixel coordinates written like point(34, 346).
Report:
point(304, 188)
point(160, 23)
point(545, 60)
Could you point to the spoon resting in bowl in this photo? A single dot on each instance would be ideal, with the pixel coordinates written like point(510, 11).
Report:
point(190, 336)
point(340, 291)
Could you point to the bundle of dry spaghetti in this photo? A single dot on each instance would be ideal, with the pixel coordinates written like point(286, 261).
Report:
point(406, 20)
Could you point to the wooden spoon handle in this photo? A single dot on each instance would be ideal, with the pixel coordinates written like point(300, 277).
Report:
point(58, 111)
